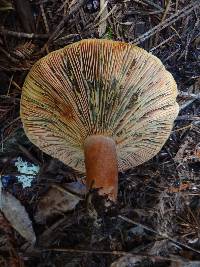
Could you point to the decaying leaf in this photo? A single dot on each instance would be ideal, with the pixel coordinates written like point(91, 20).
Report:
point(128, 260)
point(76, 188)
point(16, 214)
point(182, 187)
point(5, 5)
point(163, 247)
point(56, 200)
point(185, 264)
point(10, 256)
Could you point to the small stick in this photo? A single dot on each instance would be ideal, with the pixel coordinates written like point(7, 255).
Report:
point(67, 37)
point(4, 31)
point(153, 4)
point(9, 97)
point(182, 128)
point(171, 55)
point(162, 43)
point(12, 59)
point(103, 19)
point(44, 18)
point(187, 118)
point(18, 174)
point(116, 252)
point(63, 5)
point(163, 18)
point(177, 2)
point(10, 82)
point(186, 104)
point(189, 95)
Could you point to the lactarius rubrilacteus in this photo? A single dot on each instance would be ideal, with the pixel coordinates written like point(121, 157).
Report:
point(99, 106)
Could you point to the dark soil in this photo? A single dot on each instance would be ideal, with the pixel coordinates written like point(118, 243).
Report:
point(156, 221)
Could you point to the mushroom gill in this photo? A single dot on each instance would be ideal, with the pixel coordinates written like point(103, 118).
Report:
point(99, 88)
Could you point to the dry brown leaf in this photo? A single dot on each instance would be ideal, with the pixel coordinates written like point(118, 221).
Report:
point(56, 200)
point(77, 187)
point(10, 256)
point(16, 214)
point(127, 261)
point(182, 187)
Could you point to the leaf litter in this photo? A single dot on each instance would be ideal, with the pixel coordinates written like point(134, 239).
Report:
point(17, 216)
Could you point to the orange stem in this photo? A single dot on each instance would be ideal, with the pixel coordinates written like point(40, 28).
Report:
point(101, 165)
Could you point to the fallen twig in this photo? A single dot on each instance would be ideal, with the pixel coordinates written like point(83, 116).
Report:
point(163, 18)
point(162, 43)
point(189, 95)
point(115, 252)
point(4, 31)
point(180, 14)
point(186, 104)
point(188, 118)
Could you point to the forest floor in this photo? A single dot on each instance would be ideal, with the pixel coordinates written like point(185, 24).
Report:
point(46, 219)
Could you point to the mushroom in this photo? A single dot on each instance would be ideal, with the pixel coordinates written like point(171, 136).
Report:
point(99, 106)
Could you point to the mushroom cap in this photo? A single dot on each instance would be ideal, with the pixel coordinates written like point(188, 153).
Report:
point(99, 87)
